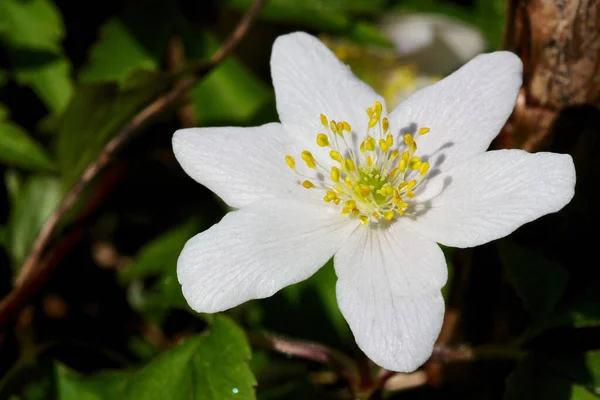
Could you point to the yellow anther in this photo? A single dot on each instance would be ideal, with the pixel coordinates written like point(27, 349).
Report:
point(370, 112)
point(335, 174)
point(414, 163)
point(329, 196)
point(339, 189)
point(410, 194)
point(335, 155)
point(370, 143)
point(383, 145)
point(388, 215)
point(400, 212)
point(394, 155)
point(322, 140)
point(369, 161)
point(376, 215)
point(411, 184)
point(386, 191)
point(362, 147)
point(348, 181)
point(364, 219)
point(309, 159)
point(333, 126)
point(308, 184)
point(340, 128)
point(424, 130)
point(402, 164)
point(351, 204)
point(324, 121)
point(347, 127)
point(408, 139)
point(355, 212)
point(373, 122)
point(402, 185)
point(345, 211)
point(378, 108)
point(337, 201)
point(424, 168)
point(389, 140)
point(386, 125)
point(364, 190)
point(394, 173)
point(289, 160)
point(348, 165)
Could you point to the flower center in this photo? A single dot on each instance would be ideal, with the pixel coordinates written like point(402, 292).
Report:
point(370, 181)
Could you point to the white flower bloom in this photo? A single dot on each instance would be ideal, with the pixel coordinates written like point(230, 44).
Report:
point(436, 43)
point(376, 191)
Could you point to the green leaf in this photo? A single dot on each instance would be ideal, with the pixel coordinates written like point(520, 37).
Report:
point(104, 385)
point(94, 116)
point(160, 254)
point(230, 94)
point(335, 16)
point(37, 198)
point(18, 149)
point(213, 366)
point(568, 376)
point(580, 310)
point(32, 31)
point(158, 260)
point(134, 42)
point(539, 282)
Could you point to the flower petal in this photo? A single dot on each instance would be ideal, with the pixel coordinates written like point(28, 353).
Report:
point(241, 165)
point(464, 111)
point(493, 194)
point(388, 290)
point(254, 252)
point(309, 80)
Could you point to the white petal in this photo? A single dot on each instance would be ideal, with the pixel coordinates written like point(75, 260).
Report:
point(465, 111)
point(254, 252)
point(241, 165)
point(493, 194)
point(388, 289)
point(309, 80)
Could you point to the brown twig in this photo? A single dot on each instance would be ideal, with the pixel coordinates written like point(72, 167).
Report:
point(32, 266)
point(344, 365)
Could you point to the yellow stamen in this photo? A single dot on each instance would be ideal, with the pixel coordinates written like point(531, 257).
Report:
point(322, 140)
point(383, 145)
point(335, 155)
point(289, 160)
point(308, 184)
point(348, 165)
point(364, 219)
point(414, 163)
point(364, 190)
point(309, 159)
point(347, 127)
point(335, 174)
point(424, 169)
point(424, 130)
point(370, 143)
point(388, 215)
point(324, 121)
point(385, 124)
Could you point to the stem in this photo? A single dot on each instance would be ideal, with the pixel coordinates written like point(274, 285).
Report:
point(344, 365)
point(34, 272)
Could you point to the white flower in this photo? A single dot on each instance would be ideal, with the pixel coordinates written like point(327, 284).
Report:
point(375, 191)
point(436, 43)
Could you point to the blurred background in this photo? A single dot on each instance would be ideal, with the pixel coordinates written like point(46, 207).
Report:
point(95, 209)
